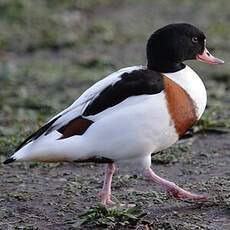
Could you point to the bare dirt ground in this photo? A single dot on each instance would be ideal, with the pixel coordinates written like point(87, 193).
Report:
point(41, 77)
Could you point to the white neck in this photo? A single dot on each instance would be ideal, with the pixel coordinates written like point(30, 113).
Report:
point(193, 85)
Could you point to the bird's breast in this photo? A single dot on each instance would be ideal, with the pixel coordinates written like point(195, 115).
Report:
point(180, 105)
point(186, 98)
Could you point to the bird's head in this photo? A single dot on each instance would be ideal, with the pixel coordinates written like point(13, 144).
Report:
point(169, 46)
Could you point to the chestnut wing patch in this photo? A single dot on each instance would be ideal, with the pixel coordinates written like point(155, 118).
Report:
point(137, 82)
point(75, 127)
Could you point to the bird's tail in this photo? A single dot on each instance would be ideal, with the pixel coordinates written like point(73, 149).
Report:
point(52, 150)
point(9, 160)
point(19, 154)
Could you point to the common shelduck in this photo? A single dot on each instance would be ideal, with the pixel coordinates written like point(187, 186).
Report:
point(134, 112)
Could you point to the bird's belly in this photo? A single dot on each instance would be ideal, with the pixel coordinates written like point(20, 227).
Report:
point(135, 130)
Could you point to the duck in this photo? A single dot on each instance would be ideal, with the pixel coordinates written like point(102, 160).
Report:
point(131, 114)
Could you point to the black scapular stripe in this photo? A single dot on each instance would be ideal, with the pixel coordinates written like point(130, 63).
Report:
point(137, 82)
point(37, 134)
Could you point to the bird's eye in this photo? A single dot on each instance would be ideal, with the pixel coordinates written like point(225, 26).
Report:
point(194, 39)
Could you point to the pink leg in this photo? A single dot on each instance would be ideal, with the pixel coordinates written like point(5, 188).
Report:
point(105, 193)
point(172, 188)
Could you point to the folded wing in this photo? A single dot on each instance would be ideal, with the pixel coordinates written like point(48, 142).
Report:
point(71, 121)
point(107, 93)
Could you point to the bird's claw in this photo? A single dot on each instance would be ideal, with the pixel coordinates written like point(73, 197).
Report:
point(105, 198)
point(181, 194)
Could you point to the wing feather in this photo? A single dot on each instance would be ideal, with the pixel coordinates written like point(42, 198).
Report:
point(64, 118)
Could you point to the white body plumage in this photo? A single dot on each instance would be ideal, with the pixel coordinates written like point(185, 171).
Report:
point(127, 132)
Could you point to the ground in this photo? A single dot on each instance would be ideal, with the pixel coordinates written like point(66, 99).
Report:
point(51, 51)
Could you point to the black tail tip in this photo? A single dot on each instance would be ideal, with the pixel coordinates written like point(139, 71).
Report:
point(10, 160)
